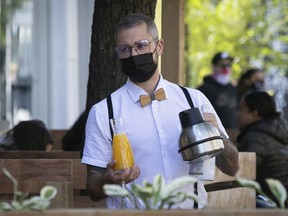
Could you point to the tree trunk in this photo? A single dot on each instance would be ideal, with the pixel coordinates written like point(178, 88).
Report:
point(105, 74)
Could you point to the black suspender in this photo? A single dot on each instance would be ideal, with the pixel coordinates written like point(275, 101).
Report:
point(188, 96)
point(110, 112)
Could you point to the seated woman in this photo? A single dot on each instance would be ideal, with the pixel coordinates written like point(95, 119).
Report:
point(263, 130)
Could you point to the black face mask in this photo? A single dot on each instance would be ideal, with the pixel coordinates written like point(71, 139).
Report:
point(139, 68)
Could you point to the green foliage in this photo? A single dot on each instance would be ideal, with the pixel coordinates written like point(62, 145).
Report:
point(21, 202)
point(249, 30)
point(156, 195)
point(278, 190)
point(6, 9)
point(275, 186)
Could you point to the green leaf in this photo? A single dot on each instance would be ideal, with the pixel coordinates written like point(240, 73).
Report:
point(5, 206)
point(40, 205)
point(143, 191)
point(27, 204)
point(20, 196)
point(156, 195)
point(175, 199)
point(249, 183)
point(48, 192)
point(147, 184)
point(114, 190)
point(9, 175)
point(177, 184)
point(254, 185)
point(16, 205)
point(157, 188)
point(278, 190)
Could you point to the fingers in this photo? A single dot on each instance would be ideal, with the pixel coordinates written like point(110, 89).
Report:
point(134, 174)
point(210, 117)
point(127, 175)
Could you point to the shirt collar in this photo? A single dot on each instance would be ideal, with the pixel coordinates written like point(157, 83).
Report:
point(135, 91)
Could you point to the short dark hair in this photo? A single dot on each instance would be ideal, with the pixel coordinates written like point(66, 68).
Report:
point(262, 102)
point(135, 19)
point(221, 56)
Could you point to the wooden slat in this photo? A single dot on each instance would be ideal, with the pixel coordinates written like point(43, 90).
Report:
point(79, 174)
point(247, 161)
point(232, 198)
point(32, 174)
point(202, 212)
point(39, 154)
point(173, 33)
point(64, 197)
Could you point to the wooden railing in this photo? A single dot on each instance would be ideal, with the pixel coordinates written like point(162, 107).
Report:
point(69, 176)
point(202, 212)
point(55, 154)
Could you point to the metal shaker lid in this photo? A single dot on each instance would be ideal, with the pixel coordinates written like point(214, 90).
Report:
point(190, 117)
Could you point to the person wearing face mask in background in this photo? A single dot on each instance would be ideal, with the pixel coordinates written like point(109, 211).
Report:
point(217, 87)
point(153, 128)
point(251, 80)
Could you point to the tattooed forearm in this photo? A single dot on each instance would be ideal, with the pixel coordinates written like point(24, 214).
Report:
point(227, 161)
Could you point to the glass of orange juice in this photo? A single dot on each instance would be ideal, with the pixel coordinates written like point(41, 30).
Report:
point(122, 152)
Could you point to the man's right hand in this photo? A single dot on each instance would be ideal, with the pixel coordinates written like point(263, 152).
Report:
point(98, 177)
point(126, 175)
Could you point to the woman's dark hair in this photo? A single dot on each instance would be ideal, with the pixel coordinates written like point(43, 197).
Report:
point(250, 72)
point(262, 102)
point(242, 87)
point(28, 135)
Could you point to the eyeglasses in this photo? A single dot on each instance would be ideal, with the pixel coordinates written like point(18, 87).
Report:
point(141, 47)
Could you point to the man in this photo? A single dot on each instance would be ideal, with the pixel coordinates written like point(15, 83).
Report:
point(218, 89)
point(153, 129)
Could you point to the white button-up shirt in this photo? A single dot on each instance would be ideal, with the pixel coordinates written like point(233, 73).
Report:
point(153, 132)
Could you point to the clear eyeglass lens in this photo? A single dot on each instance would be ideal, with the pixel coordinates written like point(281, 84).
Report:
point(123, 51)
point(141, 47)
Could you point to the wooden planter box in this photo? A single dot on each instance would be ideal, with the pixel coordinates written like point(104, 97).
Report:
point(106, 212)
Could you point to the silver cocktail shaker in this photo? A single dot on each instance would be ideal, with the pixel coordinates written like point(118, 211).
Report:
point(199, 140)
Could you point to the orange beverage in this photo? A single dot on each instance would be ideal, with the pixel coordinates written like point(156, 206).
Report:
point(122, 152)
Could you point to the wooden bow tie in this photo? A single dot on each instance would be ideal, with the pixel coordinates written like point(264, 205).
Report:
point(158, 95)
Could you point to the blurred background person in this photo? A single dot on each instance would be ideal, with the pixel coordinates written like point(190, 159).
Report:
point(30, 135)
point(264, 130)
point(72, 140)
point(218, 88)
point(251, 80)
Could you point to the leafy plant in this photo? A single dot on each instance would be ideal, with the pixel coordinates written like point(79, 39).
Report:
point(155, 195)
point(21, 202)
point(275, 186)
